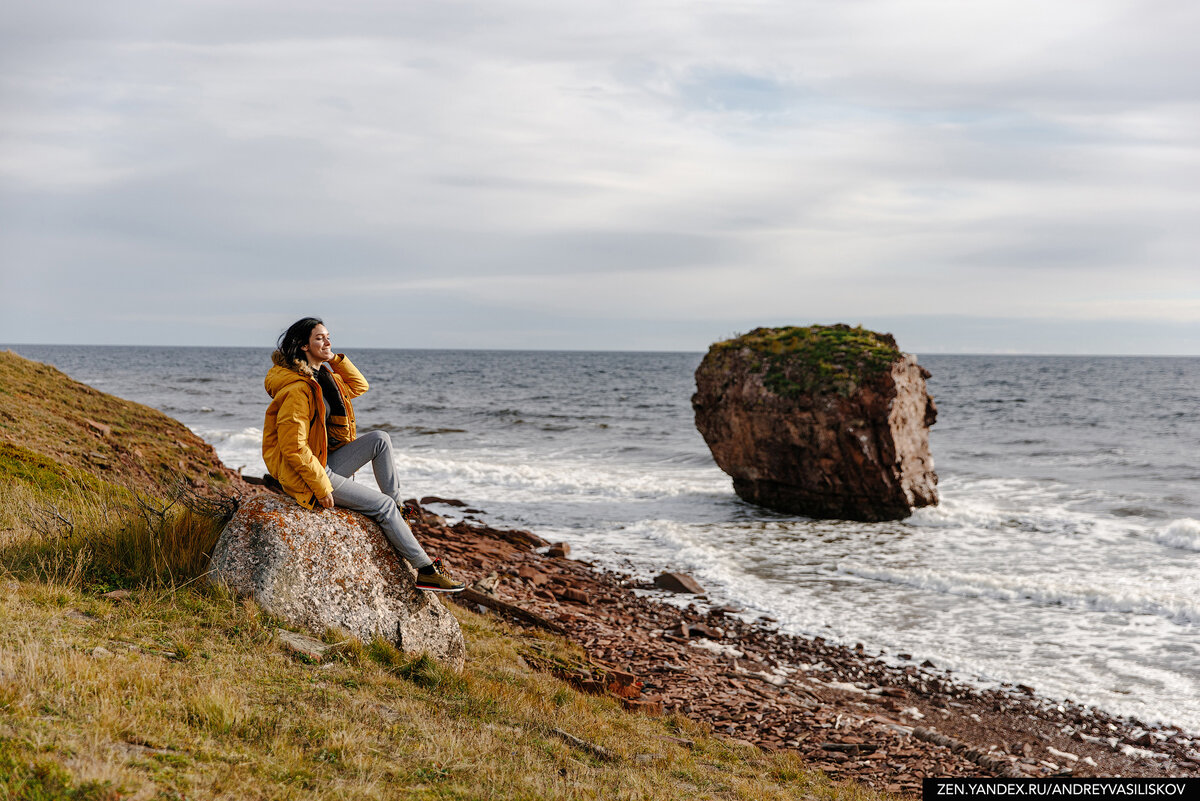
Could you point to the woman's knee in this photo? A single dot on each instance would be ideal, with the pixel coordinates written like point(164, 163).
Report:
point(380, 439)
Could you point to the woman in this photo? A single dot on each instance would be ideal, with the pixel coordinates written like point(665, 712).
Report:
point(310, 447)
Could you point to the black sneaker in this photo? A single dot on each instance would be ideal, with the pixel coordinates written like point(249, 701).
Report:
point(437, 580)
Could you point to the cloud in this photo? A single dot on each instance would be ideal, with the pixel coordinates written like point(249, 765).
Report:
point(692, 163)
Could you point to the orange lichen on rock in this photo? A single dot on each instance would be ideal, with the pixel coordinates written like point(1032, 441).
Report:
point(332, 569)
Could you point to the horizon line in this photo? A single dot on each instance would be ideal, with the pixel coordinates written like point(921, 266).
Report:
point(917, 351)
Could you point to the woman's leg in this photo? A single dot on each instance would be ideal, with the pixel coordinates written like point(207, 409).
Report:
point(382, 507)
point(374, 447)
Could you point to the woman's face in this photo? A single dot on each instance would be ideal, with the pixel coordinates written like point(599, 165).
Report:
point(319, 348)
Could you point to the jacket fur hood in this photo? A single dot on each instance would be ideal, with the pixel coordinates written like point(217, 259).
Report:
point(283, 374)
point(300, 366)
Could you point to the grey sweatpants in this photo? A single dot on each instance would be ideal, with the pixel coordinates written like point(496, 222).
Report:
point(383, 505)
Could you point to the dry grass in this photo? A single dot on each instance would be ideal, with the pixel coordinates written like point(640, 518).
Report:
point(188, 693)
point(184, 692)
point(102, 536)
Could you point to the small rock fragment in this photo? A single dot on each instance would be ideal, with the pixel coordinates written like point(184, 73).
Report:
point(100, 428)
point(583, 745)
point(1062, 754)
point(300, 644)
point(702, 630)
point(688, 744)
point(531, 574)
point(576, 595)
point(488, 584)
point(678, 582)
point(428, 499)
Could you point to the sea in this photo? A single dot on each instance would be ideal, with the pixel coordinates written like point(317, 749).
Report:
point(1064, 555)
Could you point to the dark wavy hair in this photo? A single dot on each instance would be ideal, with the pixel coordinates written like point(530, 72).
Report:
point(296, 337)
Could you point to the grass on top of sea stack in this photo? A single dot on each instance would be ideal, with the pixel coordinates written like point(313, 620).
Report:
point(190, 694)
point(816, 359)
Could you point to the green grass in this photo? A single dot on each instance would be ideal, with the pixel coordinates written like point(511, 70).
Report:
point(815, 359)
point(71, 529)
point(29, 777)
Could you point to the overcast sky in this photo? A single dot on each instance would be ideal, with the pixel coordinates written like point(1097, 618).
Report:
point(985, 176)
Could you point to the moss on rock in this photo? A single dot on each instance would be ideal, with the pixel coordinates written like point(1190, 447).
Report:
point(816, 359)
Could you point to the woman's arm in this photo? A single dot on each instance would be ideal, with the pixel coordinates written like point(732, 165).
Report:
point(353, 379)
point(292, 426)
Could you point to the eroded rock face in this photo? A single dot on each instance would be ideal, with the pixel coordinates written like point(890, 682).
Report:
point(824, 421)
point(332, 568)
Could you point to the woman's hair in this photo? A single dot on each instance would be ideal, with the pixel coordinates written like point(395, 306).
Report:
point(296, 337)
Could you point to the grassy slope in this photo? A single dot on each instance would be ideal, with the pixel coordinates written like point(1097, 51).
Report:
point(182, 692)
point(45, 411)
point(189, 694)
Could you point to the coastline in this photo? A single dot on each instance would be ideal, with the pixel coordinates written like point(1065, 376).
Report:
point(108, 639)
point(1097, 603)
point(844, 711)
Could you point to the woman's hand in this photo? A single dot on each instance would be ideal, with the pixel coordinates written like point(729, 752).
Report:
point(327, 501)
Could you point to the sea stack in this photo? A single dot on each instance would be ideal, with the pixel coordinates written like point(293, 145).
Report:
point(821, 421)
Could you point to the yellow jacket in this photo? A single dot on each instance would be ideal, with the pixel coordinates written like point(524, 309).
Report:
point(295, 439)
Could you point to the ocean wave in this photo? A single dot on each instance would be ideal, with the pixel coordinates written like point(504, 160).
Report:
point(542, 478)
point(241, 448)
point(419, 431)
point(979, 512)
point(1021, 506)
point(1184, 611)
point(243, 438)
point(1183, 534)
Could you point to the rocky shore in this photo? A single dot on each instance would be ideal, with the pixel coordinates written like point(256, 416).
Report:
point(848, 712)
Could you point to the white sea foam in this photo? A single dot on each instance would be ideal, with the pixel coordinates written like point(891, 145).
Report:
point(1008, 508)
point(537, 480)
point(716, 648)
point(957, 513)
point(1183, 534)
point(241, 448)
point(1053, 590)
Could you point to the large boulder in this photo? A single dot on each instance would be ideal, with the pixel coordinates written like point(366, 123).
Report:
point(822, 421)
point(331, 569)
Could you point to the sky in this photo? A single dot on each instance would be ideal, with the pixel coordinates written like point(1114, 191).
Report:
point(989, 176)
